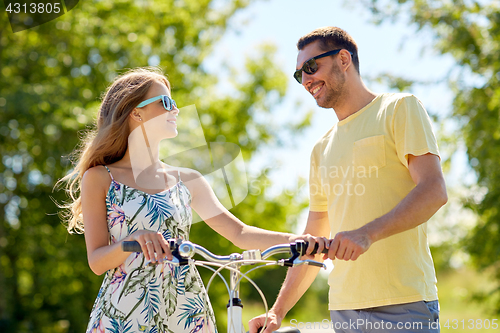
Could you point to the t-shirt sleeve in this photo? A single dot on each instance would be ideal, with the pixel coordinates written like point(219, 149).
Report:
point(412, 128)
point(318, 201)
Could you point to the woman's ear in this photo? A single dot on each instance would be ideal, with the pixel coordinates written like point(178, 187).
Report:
point(135, 115)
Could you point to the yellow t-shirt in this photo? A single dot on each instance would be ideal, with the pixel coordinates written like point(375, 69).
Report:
point(359, 171)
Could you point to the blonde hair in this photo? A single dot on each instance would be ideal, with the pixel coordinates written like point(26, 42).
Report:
point(108, 142)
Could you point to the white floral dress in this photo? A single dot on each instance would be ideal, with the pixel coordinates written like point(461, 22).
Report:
point(137, 297)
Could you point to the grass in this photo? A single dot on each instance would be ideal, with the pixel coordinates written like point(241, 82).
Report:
point(459, 313)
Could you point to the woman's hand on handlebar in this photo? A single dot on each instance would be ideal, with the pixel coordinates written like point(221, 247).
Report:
point(315, 242)
point(152, 242)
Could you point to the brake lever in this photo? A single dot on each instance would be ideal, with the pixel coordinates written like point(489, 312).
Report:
point(298, 262)
point(299, 248)
point(295, 255)
point(173, 262)
point(309, 262)
point(177, 259)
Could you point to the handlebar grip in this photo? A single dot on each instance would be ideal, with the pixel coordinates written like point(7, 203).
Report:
point(131, 246)
point(325, 250)
point(134, 246)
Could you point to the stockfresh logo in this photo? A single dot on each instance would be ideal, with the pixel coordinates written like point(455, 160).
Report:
point(220, 163)
point(29, 14)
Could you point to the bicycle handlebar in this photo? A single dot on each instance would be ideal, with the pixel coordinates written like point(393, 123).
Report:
point(132, 246)
point(182, 250)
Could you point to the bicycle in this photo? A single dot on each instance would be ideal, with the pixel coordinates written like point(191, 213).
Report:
point(183, 252)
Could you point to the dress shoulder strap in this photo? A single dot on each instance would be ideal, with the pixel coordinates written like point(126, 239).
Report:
point(110, 174)
point(179, 175)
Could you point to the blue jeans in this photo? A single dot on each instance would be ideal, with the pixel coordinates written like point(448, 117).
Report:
point(418, 317)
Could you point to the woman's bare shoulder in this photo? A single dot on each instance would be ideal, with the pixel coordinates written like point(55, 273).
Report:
point(96, 178)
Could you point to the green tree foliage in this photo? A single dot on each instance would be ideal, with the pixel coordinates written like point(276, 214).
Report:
point(469, 31)
point(51, 80)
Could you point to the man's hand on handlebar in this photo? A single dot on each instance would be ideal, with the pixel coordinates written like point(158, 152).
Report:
point(349, 245)
point(273, 323)
point(346, 245)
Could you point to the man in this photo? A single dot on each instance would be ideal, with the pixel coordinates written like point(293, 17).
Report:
point(375, 180)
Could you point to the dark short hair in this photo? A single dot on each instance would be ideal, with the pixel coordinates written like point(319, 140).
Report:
point(330, 38)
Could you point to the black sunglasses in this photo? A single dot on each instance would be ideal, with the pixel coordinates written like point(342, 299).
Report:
point(310, 66)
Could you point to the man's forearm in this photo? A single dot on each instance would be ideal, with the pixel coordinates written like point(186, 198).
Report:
point(298, 280)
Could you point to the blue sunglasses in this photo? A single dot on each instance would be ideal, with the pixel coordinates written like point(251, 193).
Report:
point(168, 103)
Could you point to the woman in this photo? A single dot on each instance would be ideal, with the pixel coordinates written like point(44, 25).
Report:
point(127, 193)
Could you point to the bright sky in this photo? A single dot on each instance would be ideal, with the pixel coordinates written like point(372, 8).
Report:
point(390, 48)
